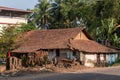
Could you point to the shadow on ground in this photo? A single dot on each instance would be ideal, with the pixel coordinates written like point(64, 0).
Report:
point(65, 76)
point(82, 76)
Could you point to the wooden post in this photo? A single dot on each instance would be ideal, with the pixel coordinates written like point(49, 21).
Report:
point(98, 59)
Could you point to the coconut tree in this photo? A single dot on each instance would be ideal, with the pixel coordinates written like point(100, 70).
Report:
point(40, 17)
point(65, 12)
point(55, 12)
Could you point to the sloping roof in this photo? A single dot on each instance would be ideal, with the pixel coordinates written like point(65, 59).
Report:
point(47, 39)
point(13, 9)
point(91, 46)
point(118, 26)
point(60, 39)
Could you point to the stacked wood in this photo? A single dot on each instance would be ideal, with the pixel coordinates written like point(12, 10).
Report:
point(15, 63)
point(30, 59)
point(39, 57)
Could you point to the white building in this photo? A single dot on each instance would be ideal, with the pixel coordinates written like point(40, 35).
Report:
point(12, 16)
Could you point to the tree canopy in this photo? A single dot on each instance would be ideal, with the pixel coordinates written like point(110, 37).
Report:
point(10, 35)
point(100, 17)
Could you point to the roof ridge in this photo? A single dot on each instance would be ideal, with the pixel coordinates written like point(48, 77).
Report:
point(59, 29)
point(12, 9)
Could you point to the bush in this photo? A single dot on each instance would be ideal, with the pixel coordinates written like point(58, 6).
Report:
point(45, 59)
point(24, 58)
point(7, 39)
point(117, 63)
point(9, 36)
point(102, 63)
point(25, 28)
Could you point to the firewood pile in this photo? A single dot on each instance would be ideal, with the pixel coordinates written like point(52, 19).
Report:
point(37, 58)
point(15, 63)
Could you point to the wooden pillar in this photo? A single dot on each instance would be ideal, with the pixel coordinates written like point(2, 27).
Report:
point(104, 57)
point(98, 59)
point(82, 58)
point(8, 64)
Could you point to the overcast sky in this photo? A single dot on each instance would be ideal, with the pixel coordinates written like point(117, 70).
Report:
point(20, 4)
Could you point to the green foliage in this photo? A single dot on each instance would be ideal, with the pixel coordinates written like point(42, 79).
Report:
point(41, 14)
point(7, 39)
point(107, 32)
point(25, 28)
point(9, 35)
point(102, 63)
point(66, 13)
point(115, 40)
point(99, 17)
point(45, 59)
point(61, 13)
point(107, 27)
point(117, 63)
point(23, 58)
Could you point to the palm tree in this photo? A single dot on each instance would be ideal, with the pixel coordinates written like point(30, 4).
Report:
point(41, 16)
point(65, 12)
point(55, 12)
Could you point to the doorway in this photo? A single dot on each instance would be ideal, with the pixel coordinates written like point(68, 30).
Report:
point(57, 52)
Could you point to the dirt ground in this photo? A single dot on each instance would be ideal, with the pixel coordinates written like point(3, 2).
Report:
point(106, 73)
point(2, 68)
point(69, 69)
point(38, 69)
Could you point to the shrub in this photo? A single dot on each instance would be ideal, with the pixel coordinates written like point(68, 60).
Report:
point(45, 59)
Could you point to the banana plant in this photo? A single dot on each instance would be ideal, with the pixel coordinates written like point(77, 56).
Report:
point(107, 32)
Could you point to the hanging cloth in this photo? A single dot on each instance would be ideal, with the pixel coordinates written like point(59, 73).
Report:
point(8, 54)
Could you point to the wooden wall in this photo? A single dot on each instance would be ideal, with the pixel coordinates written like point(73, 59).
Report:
point(81, 36)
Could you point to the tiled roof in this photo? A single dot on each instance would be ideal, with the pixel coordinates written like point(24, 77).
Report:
point(60, 39)
point(91, 46)
point(48, 39)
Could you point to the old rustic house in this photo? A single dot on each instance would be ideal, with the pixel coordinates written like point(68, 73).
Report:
point(66, 44)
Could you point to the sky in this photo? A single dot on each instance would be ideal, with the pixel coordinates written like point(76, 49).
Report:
point(19, 4)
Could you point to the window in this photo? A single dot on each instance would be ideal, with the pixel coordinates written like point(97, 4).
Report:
point(70, 55)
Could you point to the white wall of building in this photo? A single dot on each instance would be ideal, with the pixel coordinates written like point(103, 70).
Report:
point(12, 20)
point(90, 59)
point(63, 54)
